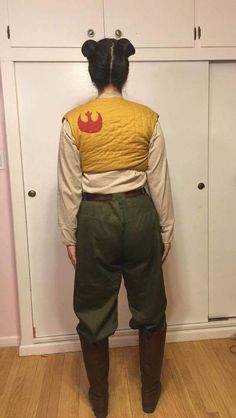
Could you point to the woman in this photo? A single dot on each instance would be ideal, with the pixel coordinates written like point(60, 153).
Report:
point(111, 153)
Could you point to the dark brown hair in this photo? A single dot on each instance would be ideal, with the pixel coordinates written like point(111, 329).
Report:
point(108, 61)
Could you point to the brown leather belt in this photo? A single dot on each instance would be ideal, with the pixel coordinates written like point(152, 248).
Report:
point(108, 196)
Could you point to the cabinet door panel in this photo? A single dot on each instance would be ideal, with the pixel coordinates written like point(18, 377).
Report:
point(52, 23)
point(217, 19)
point(222, 190)
point(151, 23)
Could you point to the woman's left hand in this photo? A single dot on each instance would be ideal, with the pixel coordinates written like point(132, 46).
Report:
point(71, 250)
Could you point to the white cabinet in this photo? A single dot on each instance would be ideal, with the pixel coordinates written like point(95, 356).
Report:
point(159, 29)
point(52, 23)
point(51, 273)
point(217, 20)
point(151, 23)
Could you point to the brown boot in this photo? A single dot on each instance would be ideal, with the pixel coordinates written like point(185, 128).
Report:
point(96, 360)
point(151, 352)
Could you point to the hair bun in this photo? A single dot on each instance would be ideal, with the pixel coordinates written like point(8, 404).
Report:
point(88, 48)
point(127, 48)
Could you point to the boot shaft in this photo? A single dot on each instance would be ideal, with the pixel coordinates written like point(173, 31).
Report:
point(151, 354)
point(96, 360)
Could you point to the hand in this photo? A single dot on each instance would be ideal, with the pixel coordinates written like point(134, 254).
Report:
point(71, 249)
point(167, 247)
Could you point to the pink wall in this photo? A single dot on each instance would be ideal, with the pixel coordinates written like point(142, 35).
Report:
point(9, 316)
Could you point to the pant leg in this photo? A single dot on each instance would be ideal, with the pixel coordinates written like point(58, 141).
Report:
point(98, 269)
point(142, 266)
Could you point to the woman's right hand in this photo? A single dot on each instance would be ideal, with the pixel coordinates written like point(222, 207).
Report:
point(167, 247)
point(71, 250)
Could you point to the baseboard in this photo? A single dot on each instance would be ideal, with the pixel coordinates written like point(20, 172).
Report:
point(124, 338)
point(11, 341)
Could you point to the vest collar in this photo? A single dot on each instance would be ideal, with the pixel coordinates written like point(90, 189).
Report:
point(109, 94)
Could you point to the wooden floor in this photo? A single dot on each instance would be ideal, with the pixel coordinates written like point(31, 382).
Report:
point(198, 378)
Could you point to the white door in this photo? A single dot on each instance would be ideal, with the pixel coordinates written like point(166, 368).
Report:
point(151, 23)
point(178, 91)
point(222, 190)
point(52, 23)
point(217, 19)
point(45, 92)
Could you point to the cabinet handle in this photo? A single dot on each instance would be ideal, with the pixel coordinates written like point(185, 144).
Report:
point(8, 32)
point(91, 33)
point(32, 193)
point(199, 32)
point(201, 185)
point(118, 33)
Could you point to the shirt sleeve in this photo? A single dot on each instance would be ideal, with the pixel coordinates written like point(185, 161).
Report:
point(158, 181)
point(69, 184)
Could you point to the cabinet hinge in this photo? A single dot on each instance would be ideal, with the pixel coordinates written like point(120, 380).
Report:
point(34, 332)
point(199, 32)
point(195, 33)
point(8, 32)
point(219, 318)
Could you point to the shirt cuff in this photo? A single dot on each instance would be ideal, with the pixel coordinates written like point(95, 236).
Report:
point(167, 232)
point(68, 236)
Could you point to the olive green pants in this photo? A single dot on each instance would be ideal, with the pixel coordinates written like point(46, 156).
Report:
point(115, 238)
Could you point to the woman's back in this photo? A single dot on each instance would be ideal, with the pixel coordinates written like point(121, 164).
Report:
point(112, 133)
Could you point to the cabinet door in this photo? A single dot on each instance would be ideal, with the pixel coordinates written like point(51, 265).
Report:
point(222, 190)
point(41, 106)
point(52, 23)
point(217, 19)
point(179, 93)
point(151, 23)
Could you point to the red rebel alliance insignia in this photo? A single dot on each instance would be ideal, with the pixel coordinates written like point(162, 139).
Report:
point(90, 125)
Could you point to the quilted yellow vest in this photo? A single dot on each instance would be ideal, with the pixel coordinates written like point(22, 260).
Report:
point(112, 133)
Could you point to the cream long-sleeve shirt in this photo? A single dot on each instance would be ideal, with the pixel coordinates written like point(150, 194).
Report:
point(71, 182)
